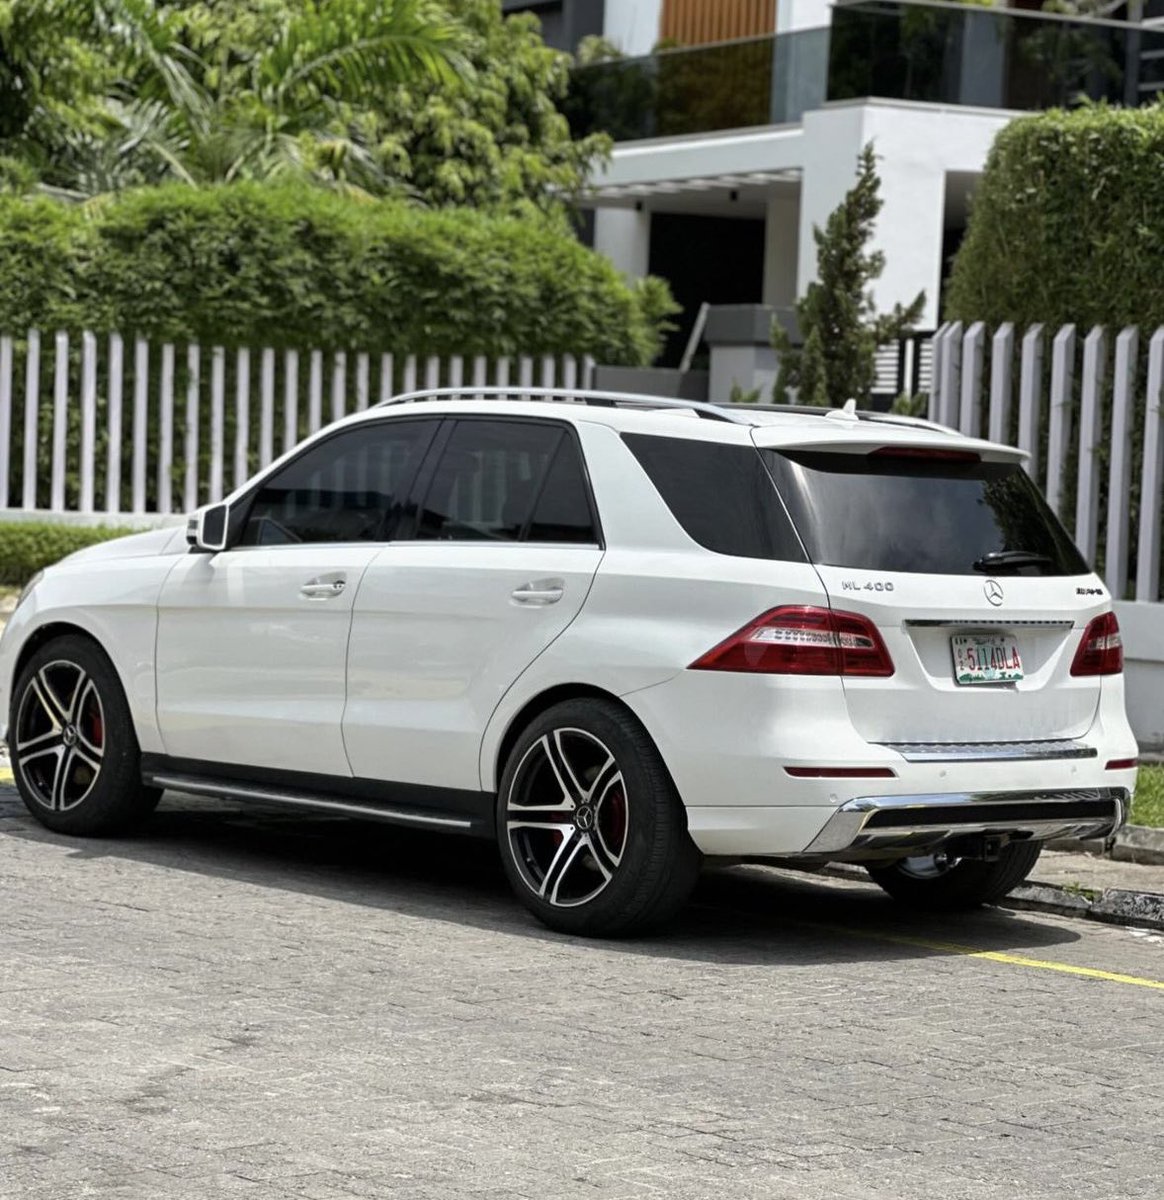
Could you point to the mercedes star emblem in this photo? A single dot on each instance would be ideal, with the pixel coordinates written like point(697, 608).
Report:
point(993, 590)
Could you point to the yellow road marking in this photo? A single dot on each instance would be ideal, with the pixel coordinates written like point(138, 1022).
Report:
point(6, 775)
point(998, 956)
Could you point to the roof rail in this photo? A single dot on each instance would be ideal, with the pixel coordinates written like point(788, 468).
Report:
point(859, 414)
point(518, 392)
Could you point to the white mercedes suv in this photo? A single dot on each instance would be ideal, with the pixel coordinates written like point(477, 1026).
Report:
point(619, 635)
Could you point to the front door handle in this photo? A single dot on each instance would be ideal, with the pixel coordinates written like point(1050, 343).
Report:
point(540, 592)
point(322, 589)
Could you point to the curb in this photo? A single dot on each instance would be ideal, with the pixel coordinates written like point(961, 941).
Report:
point(1113, 906)
point(1133, 843)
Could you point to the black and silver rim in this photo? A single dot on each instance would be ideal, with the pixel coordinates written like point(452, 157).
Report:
point(60, 735)
point(566, 817)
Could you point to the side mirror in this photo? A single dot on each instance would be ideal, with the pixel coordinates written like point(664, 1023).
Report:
point(206, 529)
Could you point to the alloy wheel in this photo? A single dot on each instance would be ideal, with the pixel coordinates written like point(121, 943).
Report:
point(566, 817)
point(59, 741)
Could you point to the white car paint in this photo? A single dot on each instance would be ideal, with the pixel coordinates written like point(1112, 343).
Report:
point(416, 672)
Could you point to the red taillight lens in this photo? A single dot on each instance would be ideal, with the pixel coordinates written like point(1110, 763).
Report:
point(797, 640)
point(1102, 650)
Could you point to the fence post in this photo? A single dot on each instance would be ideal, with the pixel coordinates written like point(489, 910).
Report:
point(1062, 378)
point(193, 398)
point(387, 376)
point(116, 395)
point(267, 408)
point(88, 419)
point(166, 432)
point(339, 384)
point(242, 416)
point(951, 375)
point(1119, 477)
point(31, 422)
point(315, 392)
point(1148, 553)
point(1001, 356)
point(1090, 432)
point(1030, 395)
point(217, 421)
point(937, 353)
point(5, 415)
point(290, 399)
point(970, 409)
point(141, 383)
point(361, 382)
point(60, 422)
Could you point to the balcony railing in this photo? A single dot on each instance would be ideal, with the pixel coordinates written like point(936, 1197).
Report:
point(994, 58)
point(769, 80)
point(892, 49)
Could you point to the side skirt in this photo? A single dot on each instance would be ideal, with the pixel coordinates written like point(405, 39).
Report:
point(414, 805)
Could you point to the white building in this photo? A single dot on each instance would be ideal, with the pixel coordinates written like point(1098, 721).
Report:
point(730, 149)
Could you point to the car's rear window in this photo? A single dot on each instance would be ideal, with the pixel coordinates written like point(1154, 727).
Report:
point(893, 513)
point(722, 495)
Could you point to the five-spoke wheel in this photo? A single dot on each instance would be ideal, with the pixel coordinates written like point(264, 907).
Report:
point(592, 834)
point(75, 755)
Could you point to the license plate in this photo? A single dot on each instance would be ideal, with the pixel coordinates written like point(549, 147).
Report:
point(986, 658)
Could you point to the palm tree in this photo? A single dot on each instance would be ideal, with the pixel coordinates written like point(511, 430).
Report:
point(287, 103)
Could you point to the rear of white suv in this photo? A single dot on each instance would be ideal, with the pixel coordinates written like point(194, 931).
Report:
point(617, 637)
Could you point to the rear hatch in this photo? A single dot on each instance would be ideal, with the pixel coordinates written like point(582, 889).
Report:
point(977, 590)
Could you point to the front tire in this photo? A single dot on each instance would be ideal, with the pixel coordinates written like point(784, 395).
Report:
point(75, 755)
point(593, 835)
point(935, 883)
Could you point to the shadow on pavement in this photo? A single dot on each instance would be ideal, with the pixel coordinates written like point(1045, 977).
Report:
point(744, 915)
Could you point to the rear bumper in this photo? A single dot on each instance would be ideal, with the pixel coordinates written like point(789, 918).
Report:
point(911, 823)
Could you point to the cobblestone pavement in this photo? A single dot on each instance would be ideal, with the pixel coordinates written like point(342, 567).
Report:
point(254, 1004)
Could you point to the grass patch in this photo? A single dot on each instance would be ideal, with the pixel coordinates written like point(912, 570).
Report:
point(1148, 806)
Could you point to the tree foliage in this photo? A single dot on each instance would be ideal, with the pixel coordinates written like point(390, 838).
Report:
point(296, 266)
point(440, 100)
point(1067, 223)
point(836, 316)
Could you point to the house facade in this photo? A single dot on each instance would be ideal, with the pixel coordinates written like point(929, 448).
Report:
point(738, 124)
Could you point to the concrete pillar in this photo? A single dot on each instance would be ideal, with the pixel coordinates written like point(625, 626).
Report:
point(633, 25)
point(802, 14)
point(624, 236)
point(781, 250)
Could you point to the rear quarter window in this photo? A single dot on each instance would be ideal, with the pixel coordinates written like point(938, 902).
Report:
point(722, 495)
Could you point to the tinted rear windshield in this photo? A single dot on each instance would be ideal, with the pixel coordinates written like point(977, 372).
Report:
point(922, 515)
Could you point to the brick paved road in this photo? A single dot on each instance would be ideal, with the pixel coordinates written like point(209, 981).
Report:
point(277, 1007)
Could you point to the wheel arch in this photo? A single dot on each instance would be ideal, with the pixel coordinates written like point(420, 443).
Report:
point(534, 707)
point(46, 633)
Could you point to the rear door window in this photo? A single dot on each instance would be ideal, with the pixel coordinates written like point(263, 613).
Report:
point(721, 494)
point(890, 512)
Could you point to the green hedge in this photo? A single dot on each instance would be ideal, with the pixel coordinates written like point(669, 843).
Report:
point(1067, 224)
point(28, 546)
point(292, 266)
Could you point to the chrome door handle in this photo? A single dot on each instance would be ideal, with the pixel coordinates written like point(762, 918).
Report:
point(319, 589)
point(544, 591)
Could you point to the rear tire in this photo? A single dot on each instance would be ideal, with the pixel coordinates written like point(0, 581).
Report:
point(923, 883)
point(592, 832)
point(75, 755)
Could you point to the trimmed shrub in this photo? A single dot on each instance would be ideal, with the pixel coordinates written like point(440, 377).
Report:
point(28, 546)
point(293, 266)
point(1068, 223)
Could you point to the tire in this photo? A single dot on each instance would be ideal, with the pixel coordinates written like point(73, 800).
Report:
point(964, 883)
point(75, 755)
point(593, 835)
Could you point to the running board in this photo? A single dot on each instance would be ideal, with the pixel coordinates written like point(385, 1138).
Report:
point(229, 790)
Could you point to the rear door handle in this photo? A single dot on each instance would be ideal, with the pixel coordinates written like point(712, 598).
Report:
point(322, 589)
point(540, 592)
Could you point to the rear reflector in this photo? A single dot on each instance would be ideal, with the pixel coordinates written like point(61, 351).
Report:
point(1122, 764)
point(801, 640)
point(840, 772)
point(1101, 652)
point(933, 454)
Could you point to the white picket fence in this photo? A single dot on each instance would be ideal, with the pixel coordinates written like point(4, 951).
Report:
point(1093, 430)
point(94, 424)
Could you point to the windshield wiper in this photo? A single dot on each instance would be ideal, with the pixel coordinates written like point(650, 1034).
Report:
point(1002, 560)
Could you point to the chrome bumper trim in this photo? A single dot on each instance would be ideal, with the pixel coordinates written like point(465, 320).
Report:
point(909, 822)
point(952, 752)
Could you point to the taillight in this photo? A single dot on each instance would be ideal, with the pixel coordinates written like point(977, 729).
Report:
point(796, 640)
point(1102, 650)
